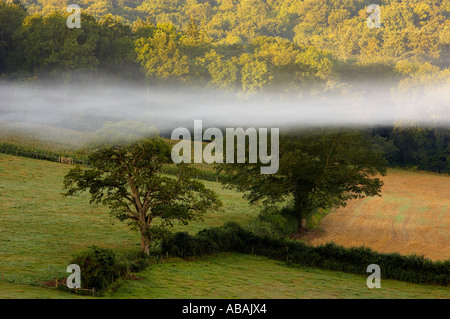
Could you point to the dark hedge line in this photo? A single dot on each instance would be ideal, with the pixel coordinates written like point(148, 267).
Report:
point(196, 173)
point(233, 238)
point(101, 267)
point(12, 149)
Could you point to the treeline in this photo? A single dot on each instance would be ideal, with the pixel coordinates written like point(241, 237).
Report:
point(247, 45)
point(35, 46)
point(410, 28)
point(416, 148)
point(36, 153)
point(290, 48)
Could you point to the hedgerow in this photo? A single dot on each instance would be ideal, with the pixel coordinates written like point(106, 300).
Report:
point(30, 152)
point(100, 267)
point(233, 238)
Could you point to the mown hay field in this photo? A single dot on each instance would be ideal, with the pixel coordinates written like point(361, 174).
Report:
point(411, 217)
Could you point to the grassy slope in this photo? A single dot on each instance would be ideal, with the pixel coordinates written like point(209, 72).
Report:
point(25, 291)
point(40, 230)
point(245, 276)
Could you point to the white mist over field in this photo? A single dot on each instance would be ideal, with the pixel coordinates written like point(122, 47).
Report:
point(88, 106)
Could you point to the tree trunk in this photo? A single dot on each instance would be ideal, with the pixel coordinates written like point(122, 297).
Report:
point(145, 245)
point(303, 226)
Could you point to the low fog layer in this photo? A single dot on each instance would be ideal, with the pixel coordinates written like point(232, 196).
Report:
point(87, 107)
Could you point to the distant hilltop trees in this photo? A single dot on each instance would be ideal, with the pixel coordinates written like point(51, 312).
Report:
point(252, 47)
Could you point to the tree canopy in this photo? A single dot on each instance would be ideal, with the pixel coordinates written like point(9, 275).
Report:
point(317, 170)
point(128, 180)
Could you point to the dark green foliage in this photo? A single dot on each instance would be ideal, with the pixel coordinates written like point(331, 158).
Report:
point(415, 147)
point(12, 149)
point(232, 238)
point(276, 223)
point(127, 178)
point(131, 262)
point(98, 267)
point(207, 175)
point(318, 169)
point(426, 148)
point(11, 17)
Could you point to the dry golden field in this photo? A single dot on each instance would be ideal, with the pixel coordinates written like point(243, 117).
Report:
point(412, 216)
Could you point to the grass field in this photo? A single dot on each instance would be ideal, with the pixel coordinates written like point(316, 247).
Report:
point(412, 216)
point(45, 138)
point(40, 230)
point(244, 276)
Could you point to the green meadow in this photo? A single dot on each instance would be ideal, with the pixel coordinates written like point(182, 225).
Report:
point(248, 276)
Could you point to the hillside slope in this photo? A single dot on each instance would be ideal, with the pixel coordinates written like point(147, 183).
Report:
point(40, 230)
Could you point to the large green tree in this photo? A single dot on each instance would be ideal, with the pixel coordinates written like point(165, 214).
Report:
point(160, 55)
point(128, 179)
point(316, 170)
point(46, 44)
point(11, 17)
point(115, 47)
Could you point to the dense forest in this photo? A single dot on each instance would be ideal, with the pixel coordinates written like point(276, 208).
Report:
point(252, 47)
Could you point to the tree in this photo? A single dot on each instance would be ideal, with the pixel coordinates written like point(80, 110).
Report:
point(115, 47)
point(128, 179)
point(255, 74)
point(195, 42)
point(316, 170)
point(46, 44)
point(223, 73)
point(160, 55)
point(11, 17)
